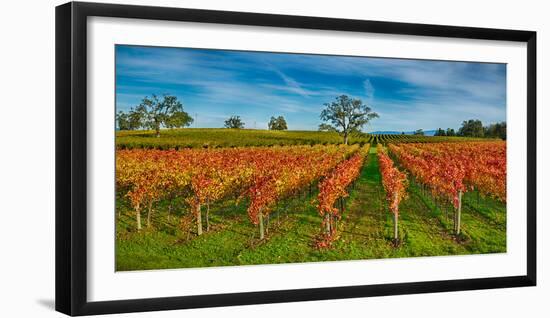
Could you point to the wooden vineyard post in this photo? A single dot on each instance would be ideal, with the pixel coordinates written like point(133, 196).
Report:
point(138, 218)
point(454, 219)
point(458, 212)
point(327, 222)
point(199, 219)
point(261, 221)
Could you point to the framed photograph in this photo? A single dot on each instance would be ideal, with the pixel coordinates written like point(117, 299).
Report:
point(210, 158)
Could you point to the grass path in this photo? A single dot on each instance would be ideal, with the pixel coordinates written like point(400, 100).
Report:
point(366, 231)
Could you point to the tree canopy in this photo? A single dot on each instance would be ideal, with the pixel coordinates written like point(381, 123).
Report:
point(234, 122)
point(154, 113)
point(128, 121)
point(167, 112)
point(346, 116)
point(326, 127)
point(278, 123)
point(497, 130)
point(471, 128)
point(440, 132)
point(475, 128)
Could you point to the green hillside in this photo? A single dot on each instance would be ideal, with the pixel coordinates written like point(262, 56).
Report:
point(221, 137)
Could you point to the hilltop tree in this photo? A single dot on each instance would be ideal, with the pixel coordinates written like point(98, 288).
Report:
point(234, 122)
point(347, 115)
point(278, 123)
point(168, 112)
point(440, 132)
point(419, 132)
point(451, 132)
point(471, 128)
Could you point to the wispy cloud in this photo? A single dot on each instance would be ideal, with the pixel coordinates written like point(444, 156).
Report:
point(369, 90)
point(291, 85)
point(408, 94)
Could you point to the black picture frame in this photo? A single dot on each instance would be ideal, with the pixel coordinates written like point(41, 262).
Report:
point(71, 157)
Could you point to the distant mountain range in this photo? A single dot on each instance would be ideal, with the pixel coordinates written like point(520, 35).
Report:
point(391, 132)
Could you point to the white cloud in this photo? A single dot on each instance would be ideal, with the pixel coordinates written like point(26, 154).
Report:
point(421, 94)
point(369, 90)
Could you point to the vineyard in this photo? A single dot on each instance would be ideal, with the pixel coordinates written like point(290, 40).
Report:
point(447, 171)
point(221, 138)
point(214, 206)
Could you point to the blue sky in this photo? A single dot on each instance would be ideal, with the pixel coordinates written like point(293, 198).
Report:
point(215, 84)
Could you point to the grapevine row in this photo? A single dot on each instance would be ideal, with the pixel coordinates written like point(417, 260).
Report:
point(204, 176)
point(395, 185)
point(333, 189)
point(451, 169)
